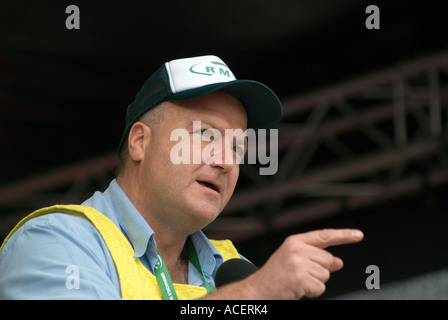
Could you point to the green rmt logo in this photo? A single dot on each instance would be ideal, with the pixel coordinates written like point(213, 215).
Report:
point(217, 68)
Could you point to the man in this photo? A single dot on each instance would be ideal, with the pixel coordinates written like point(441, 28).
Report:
point(141, 238)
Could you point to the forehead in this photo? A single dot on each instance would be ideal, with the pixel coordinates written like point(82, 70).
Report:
point(218, 108)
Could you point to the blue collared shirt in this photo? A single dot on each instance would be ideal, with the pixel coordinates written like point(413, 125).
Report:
point(60, 256)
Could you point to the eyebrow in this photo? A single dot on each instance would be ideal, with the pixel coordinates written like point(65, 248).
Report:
point(222, 131)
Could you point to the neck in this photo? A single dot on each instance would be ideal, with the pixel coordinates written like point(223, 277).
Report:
point(170, 241)
point(170, 250)
point(175, 259)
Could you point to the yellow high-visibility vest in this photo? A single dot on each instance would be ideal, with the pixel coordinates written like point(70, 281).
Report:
point(136, 282)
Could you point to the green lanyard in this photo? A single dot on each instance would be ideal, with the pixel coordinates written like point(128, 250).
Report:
point(164, 279)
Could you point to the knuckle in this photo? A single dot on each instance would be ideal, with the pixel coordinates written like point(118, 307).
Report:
point(288, 241)
point(310, 290)
point(324, 235)
point(292, 239)
point(316, 290)
point(293, 243)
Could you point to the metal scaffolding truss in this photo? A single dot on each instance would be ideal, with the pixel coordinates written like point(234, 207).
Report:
point(352, 145)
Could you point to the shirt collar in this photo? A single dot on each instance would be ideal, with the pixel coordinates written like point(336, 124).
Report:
point(130, 220)
point(116, 205)
point(209, 256)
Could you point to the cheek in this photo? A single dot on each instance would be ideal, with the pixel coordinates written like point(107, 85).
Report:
point(232, 179)
point(158, 164)
point(178, 174)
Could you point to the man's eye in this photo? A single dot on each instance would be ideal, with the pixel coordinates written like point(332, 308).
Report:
point(206, 133)
point(238, 150)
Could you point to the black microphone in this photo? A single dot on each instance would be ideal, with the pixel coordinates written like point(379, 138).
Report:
point(233, 270)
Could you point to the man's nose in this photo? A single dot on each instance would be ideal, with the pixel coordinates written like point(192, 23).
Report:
point(223, 158)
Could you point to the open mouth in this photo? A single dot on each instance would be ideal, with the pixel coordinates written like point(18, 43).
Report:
point(209, 185)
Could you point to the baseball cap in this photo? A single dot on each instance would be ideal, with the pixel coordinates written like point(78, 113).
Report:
point(197, 76)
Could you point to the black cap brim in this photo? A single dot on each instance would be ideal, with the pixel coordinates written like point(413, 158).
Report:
point(262, 105)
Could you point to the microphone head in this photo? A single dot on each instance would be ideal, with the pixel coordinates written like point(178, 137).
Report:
point(233, 270)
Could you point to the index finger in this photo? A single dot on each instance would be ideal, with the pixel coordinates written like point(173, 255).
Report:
point(331, 237)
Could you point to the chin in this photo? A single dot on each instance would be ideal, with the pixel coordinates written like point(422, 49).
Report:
point(205, 214)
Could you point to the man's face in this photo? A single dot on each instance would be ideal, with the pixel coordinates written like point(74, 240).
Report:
point(192, 194)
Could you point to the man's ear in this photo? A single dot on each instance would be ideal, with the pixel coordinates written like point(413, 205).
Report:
point(138, 139)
